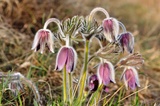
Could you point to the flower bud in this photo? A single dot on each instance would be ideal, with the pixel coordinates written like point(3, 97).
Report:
point(67, 57)
point(126, 41)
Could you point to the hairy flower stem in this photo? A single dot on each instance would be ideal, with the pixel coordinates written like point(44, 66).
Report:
point(55, 20)
point(91, 15)
point(84, 72)
point(64, 85)
point(70, 88)
point(122, 26)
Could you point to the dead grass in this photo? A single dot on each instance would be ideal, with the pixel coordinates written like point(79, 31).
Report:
point(20, 19)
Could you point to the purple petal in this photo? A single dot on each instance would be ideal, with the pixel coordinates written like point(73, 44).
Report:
point(70, 60)
point(106, 89)
point(112, 71)
point(93, 83)
point(108, 25)
point(125, 80)
point(50, 41)
point(127, 42)
point(136, 76)
point(43, 37)
point(104, 73)
point(92, 87)
point(61, 58)
point(93, 78)
point(36, 40)
point(111, 29)
point(129, 75)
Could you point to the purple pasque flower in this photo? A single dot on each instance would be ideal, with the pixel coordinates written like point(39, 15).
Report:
point(67, 57)
point(106, 73)
point(111, 29)
point(93, 82)
point(130, 78)
point(126, 41)
point(42, 38)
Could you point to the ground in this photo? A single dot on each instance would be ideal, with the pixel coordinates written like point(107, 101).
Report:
point(20, 19)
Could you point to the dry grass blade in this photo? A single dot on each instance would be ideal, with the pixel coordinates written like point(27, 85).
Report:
point(134, 93)
point(113, 95)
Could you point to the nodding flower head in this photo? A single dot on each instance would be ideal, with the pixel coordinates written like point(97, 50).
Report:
point(106, 73)
point(67, 57)
point(93, 83)
point(130, 77)
point(42, 38)
point(126, 41)
point(111, 29)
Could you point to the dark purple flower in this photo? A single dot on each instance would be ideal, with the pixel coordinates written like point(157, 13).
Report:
point(111, 29)
point(126, 41)
point(42, 38)
point(130, 77)
point(106, 73)
point(93, 83)
point(67, 57)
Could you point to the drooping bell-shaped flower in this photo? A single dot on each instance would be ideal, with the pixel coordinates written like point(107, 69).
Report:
point(110, 29)
point(93, 82)
point(106, 73)
point(126, 41)
point(67, 57)
point(130, 78)
point(43, 37)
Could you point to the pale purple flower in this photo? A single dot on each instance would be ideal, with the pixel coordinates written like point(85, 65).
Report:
point(126, 41)
point(67, 57)
point(111, 29)
point(43, 37)
point(93, 82)
point(130, 78)
point(106, 73)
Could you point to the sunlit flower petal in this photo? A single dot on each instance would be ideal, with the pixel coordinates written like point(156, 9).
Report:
point(111, 29)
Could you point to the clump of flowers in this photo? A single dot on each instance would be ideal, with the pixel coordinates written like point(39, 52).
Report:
point(83, 29)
